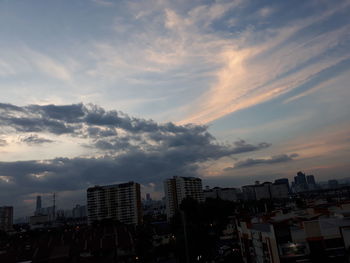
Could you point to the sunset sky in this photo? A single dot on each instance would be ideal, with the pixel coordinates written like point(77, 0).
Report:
point(100, 92)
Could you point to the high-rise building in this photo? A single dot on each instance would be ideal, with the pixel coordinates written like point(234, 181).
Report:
point(178, 188)
point(300, 179)
point(310, 179)
point(300, 183)
point(38, 203)
point(6, 218)
point(120, 202)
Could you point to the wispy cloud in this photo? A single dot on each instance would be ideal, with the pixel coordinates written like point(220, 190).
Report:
point(282, 158)
point(257, 73)
point(22, 60)
point(103, 3)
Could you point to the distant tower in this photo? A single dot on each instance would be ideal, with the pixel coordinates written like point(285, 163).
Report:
point(310, 179)
point(38, 203)
point(54, 207)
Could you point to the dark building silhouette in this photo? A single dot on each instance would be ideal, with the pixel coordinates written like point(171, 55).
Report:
point(38, 203)
point(332, 183)
point(310, 179)
point(282, 181)
point(6, 218)
point(300, 178)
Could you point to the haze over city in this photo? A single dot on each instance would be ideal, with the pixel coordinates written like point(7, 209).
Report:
point(102, 92)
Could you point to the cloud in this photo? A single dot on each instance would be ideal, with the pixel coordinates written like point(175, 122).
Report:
point(23, 60)
point(125, 147)
point(103, 3)
point(265, 12)
point(3, 142)
point(282, 158)
point(243, 80)
point(35, 140)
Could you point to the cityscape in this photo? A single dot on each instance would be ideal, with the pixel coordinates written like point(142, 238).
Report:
point(174, 131)
point(301, 221)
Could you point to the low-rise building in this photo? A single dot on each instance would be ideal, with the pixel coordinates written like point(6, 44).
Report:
point(305, 236)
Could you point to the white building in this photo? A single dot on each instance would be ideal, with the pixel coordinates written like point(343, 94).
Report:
point(120, 202)
point(178, 188)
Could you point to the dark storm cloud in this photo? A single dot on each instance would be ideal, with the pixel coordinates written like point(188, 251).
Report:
point(68, 113)
point(282, 158)
point(69, 119)
point(35, 139)
point(9, 107)
point(132, 149)
point(34, 124)
point(77, 173)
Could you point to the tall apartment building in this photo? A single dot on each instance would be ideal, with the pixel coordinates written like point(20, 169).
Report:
point(178, 188)
point(6, 218)
point(120, 202)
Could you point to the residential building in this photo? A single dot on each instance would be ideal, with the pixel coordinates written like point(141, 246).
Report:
point(266, 190)
point(262, 191)
point(229, 194)
point(120, 202)
point(310, 235)
point(279, 190)
point(248, 192)
point(178, 188)
point(6, 218)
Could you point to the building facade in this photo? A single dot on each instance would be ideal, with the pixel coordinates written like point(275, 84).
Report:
point(178, 188)
point(264, 191)
point(120, 202)
point(228, 194)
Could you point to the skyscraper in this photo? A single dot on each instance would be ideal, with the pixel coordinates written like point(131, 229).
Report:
point(300, 179)
point(120, 202)
point(310, 179)
point(178, 188)
point(38, 203)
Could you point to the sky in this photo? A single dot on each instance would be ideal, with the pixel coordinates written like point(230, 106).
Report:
point(101, 92)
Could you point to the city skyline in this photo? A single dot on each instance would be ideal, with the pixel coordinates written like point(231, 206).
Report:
point(102, 92)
